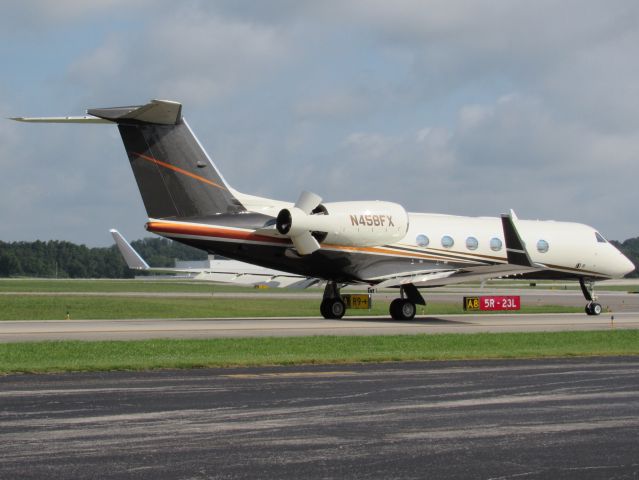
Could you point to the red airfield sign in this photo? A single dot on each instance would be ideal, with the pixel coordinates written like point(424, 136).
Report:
point(492, 303)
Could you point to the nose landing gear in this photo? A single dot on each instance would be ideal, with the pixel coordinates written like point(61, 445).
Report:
point(588, 289)
point(593, 308)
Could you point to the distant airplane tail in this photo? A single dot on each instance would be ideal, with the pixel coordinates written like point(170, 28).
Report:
point(175, 176)
point(132, 258)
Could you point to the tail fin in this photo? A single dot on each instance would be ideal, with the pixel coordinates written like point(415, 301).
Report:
point(132, 258)
point(175, 176)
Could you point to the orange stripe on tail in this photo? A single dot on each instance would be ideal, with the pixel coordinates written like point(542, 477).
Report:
point(176, 169)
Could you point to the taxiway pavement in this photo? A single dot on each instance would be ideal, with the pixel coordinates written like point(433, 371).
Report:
point(533, 419)
point(621, 311)
point(36, 330)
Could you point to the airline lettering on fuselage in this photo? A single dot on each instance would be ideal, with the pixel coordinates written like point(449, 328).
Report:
point(372, 220)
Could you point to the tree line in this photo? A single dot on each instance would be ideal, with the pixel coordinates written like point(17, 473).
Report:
point(630, 248)
point(60, 259)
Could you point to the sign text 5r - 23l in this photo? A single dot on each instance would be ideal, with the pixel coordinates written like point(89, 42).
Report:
point(492, 303)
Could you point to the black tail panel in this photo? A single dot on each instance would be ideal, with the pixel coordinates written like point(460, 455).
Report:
point(174, 174)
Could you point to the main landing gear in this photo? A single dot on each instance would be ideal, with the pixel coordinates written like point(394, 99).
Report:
point(332, 306)
point(403, 308)
point(588, 289)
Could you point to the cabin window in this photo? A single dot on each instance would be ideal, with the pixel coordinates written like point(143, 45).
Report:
point(472, 243)
point(495, 244)
point(542, 246)
point(600, 239)
point(422, 240)
point(447, 241)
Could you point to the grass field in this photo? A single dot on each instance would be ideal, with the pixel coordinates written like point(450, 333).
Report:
point(37, 307)
point(24, 303)
point(154, 354)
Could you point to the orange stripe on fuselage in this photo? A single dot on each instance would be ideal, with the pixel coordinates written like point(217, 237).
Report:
point(221, 232)
point(176, 169)
point(386, 251)
point(210, 231)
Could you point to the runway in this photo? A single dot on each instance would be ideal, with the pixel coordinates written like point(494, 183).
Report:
point(19, 331)
point(530, 419)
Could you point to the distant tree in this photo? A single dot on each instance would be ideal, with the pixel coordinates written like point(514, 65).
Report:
point(62, 259)
point(630, 248)
point(9, 262)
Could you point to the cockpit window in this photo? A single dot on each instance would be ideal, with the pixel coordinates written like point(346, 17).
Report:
point(600, 239)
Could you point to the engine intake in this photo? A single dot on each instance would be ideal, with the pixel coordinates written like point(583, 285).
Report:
point(357, 224)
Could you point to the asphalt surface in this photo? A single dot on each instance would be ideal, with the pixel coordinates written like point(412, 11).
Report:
point(32, 330)
point(524, 419)
point(621, 310)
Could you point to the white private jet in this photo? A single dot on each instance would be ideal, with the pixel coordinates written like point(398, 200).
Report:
point(373, 243)
point(222, 271)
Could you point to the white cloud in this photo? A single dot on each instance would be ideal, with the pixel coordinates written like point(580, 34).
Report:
point(510, 154)
point(333, 105)
point(467, 107)
point(187, 55)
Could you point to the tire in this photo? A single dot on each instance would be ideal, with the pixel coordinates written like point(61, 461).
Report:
point(338, 309)
point(332, 308)
point(395, 309)
point(324, 310)
point(596, 309)
point(402, 309)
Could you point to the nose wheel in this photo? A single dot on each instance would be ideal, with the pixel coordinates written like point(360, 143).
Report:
point(593, 308)
point(588, 289)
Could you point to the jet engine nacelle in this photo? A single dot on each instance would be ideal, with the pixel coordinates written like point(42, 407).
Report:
point(360, 224)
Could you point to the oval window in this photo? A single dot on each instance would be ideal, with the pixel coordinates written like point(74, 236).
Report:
point(472, 243)
point(422, 240)
point(542, 246)
point(495, 244)
point(447, 241)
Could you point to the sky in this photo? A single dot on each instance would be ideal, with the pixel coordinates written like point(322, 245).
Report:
point(465, 107)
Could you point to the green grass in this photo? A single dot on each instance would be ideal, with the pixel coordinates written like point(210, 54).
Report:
point(155, 354)
point(45, 307)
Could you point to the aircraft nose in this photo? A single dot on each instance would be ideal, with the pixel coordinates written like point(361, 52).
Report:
point(625, 266)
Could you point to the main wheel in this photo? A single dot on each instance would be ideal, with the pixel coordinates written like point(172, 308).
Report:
point(402, 309)
point(332, 308)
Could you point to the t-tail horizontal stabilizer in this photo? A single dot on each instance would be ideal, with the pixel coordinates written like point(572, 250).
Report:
point(159, 112)
point(515, 246)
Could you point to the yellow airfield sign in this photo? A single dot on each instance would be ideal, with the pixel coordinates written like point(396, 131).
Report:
point(358, 301)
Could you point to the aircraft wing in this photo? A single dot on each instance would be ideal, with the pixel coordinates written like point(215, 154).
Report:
point(451, 277)
point(223, 271)
point(518, 263)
